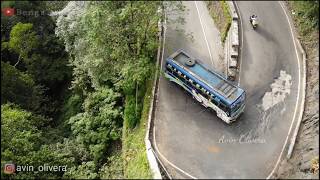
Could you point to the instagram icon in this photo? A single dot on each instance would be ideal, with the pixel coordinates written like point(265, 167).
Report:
point(9, 168)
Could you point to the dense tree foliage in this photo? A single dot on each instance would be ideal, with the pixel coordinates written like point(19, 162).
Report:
point(23, 142)
point(112, 44)
point(23, 40)
point(29, 36)
point(19, 88)
point(114, 41)
point(34, 72)
point(99, 124)
point(71, 79)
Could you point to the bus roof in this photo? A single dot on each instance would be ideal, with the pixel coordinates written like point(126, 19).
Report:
point(228, 92)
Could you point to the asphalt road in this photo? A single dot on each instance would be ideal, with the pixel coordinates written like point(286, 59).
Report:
point(192, 141)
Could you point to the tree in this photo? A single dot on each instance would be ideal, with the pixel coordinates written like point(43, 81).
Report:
point(19, 88)
point(49, 65)
point(112, 44)
point(24, 142)
point(20, 132)
point(99, 124)
point(23, 40)
point(85, 171)
point(107, 37)
point(113, 169)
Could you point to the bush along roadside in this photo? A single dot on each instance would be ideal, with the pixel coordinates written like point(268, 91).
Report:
point(133, 150)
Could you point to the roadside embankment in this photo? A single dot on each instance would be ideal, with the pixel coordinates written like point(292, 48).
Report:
point(304, 162)
point(226, 18)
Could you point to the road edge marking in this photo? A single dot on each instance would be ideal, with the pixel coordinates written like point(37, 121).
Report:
point(154, 127)
point(204, 34)
point(176, 167)
point(151, 155)
point(293, 139)
point(296, 107)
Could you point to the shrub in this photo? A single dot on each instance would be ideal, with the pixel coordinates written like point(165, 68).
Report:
point(132, 112)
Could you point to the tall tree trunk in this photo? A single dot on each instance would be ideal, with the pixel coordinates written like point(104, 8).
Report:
point(136, 98)
point(144, 41)
point(17, 61)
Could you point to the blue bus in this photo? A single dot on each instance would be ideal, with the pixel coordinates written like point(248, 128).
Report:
point(208, 87)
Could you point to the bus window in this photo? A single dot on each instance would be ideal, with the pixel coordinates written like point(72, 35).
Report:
point(169, 68)
point(189, 81)
point(216, 101)
point(203, 90)
point(235, 108)
point(224, 108)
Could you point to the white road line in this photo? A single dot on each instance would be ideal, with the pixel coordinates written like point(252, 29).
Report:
point(296, 107)
point(236, 6)
point(204, 34)
point(164, 39)
point(156, 147)
point(154, 127)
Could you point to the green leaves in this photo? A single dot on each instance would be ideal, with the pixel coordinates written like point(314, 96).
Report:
point(22, 143)
point(85, 171)
point(23, 39)
point(113, 169)
point(132, 111)
point(112, 47)
point(307, 15)
point(100, 122)
point(19, 88)
point(38, 59)
point(108, 38)
point(20, 129)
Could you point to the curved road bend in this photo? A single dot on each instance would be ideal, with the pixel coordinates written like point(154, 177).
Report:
point(190, 140)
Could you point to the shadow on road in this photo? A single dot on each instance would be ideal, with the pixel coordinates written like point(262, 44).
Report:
point(265, 34)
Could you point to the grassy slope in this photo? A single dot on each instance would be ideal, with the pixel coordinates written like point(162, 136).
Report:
point(134, 150)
